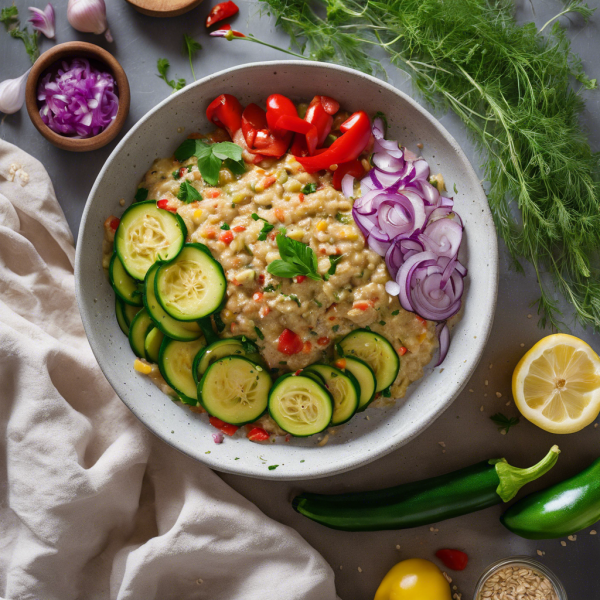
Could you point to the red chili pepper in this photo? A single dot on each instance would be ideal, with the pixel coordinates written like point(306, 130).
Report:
point(226, 428)
point(239, 228)
point(221, 11)
point(354, 168)
point(225, 111)
point(164, 204)
point(258, 136)
point(356, 132)
point(289, 342)
point(453, 559)
point(258, 434)
point(300, 278)
point(227, 27)
point(323, 341)
point(226, 237)
point(114, 223)
point(363, 305)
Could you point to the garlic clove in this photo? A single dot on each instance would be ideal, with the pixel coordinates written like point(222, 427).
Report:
point(12, 94)
point(89, 16)
point(43, 20)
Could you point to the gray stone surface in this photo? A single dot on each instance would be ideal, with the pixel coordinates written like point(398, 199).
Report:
point(466, 431)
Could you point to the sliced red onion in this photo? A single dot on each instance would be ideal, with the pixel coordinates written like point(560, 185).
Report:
point(78, 100)
point(348, 185)
point(387, 163)
point(442, 237)
point(443, 335)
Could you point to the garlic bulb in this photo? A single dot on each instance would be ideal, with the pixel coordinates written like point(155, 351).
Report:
point(12, 94)
point(89, 16)
point(43, 20)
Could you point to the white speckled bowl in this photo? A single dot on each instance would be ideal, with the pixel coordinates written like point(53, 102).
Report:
point(360, 441)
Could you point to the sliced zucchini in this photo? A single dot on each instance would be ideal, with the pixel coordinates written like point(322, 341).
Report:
point(146, 234)
point(235, 390)
point(138, 330)
point(314, 376)
point(175, 361)
point(177, 330)
point(152, 344)
point(376, 351)
point(119, 311)
point(365, 377)
point(124, 285)
point(129, 312)
point(300, 405)
point(344, 390)
point(221, 348)
point(192, 285)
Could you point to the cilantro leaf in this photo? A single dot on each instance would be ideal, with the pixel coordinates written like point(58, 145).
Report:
point(188, 193)
point(9, 16)
point(387, 393)
point(334, 259)
point(211, 156)
point(264, 232)
point(209, 166)
point(224, 150)
point(190, 47)
point(309, 188)
point(141, 195)
point(225, 227)
point(503, 422)
point(236, 167)
point(187, 149)
point(163, 64)
point(272, 467)
point(296, 259)
point(175, 174)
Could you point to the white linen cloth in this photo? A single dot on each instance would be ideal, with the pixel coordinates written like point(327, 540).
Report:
point(93, 506)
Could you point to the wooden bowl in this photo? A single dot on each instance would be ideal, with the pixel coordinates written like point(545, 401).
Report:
point(164, 8)
point(77, 50)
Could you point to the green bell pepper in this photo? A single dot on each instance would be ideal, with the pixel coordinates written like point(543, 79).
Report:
point(423, 502)
point(560, 510)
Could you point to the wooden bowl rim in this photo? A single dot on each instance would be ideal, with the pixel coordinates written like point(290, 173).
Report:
point(148, 8)
point(84, 50)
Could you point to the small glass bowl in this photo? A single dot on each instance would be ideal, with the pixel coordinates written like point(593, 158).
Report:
point(518, 561)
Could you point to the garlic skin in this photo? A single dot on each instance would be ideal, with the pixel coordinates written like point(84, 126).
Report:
point(89, 16)
point(43, 20)
point(12, 94)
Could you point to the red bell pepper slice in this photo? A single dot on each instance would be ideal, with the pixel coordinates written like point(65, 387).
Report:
point(298, 125)
point(356, 132)
point(318, 114)
point(330, 105)
point(289, 342)
point(221, 11)
point(258, 434)
point(226, 428)
point(453, 559)
point(225, 111)
point(354, 168)
point(258, 136)
point(278, 106)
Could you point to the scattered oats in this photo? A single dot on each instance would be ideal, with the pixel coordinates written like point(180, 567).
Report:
point(572, 538)
point(522, 345)
point(454, 587)
point(508, 403)
point(199, 581)
point(442, 444)
point(420, 146)
point(517, 582)
point(498, 394)
point(593, 532)
point(368, 418)
point(563, 543)
point(503, 432)
point(397, 546)
point(359, 570)
point(540, 553)
point(529, 316)
point(442, 370)
point(180, 129)
point(481, 409)
point(433, 529)
point(486, 382)
point(471, 391)
point(595, 425)
point(447, 577)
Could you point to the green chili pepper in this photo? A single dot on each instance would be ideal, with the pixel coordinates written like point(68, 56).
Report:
point(560, 510)
point(423, 502)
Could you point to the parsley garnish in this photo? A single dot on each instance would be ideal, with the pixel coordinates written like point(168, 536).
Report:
point(272, 467)
point(249, 346)
point(210, 157)
point(309, 188)
point(455, 190)
point(296, 259)
point(503, 422)
point(188, 193)
point(334, 259)
point(292, 297)
point(225, 227)
point(269, 288)
point(264, 232)
point(190, 47)
point(395, 313)
point(335, 328)
point(176, 174)
point(141, 195)
point(259, 333)
point(382, 323)
point(162, 64)
point(343, 218)
point(10, 17)
point(317, 302)
point(387, 393)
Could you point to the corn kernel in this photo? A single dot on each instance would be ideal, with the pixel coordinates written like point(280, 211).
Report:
point(296, 234)
point(422, 337)
point(142, 367)
point(239, 197)
point(259, 188)
point(282, 176)
point(321, 225)
point(293, 186)
point(227, 315)
point(197, 214)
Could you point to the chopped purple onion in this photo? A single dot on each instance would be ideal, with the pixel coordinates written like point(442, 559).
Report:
point(78, 101)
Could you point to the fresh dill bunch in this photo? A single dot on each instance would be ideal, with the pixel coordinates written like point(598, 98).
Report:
point(511, 87)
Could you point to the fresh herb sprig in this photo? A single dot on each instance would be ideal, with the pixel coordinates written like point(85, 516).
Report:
point(503, 422)
point(296, 259)
point(511, 87)
point(10, 17)
point(190, 47)
point(211, 156)
point(163, 64)
point(188, 193)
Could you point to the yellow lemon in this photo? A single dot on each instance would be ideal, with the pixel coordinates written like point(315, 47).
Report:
point(556, 385)
point(414, 579)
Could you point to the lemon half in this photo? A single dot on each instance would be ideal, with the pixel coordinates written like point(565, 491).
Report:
point(556, 385)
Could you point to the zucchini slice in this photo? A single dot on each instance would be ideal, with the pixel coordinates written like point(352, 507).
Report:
point(376, 351)
point(344, 390)
point(192, 285)
point(129, 311)
point(124, 285)
point(177, 330)
point(300, 405)
point(366, 380)
point(120, 313)
point(220, 349)
point(146, 234)
point(138, 330)
point(152, 344)
point(235, 390)
point(175, 361)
